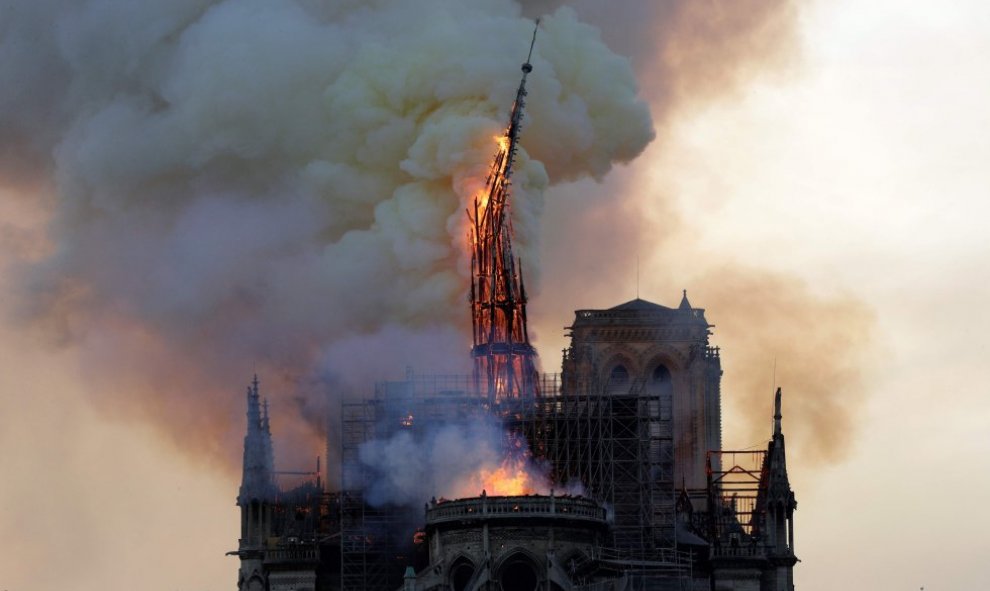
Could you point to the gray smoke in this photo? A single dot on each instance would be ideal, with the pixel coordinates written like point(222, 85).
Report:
point(254, 185)
point(449, 460)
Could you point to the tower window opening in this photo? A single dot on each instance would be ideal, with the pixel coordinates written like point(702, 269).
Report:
point(662, 385)
point(619, 376)
point(661, 375)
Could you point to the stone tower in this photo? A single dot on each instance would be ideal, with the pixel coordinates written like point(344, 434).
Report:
point(644, 348)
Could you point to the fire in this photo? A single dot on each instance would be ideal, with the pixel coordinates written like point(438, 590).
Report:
point(512, 478)
point(481, 197)
point(503, 143)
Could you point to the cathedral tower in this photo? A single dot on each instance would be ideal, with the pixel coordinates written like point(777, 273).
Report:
point(644, 348)
point(650, 383)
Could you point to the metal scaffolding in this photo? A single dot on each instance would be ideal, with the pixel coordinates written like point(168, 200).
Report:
point(736, 515)
point(614, 443)
point(357, 568)
point(376, 543)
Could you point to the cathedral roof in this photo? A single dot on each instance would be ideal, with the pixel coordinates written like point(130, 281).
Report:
point(641, 312)
point(640, 305)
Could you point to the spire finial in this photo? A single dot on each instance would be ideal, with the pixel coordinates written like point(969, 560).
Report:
point(776, 414)
point(527, 67)
point(685, 304)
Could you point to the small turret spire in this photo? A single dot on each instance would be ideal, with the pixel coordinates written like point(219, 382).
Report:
point(253, 410)
point(257, 481)
point(685, 304)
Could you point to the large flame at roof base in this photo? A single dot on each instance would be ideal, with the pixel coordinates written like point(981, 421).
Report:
point(513, 477)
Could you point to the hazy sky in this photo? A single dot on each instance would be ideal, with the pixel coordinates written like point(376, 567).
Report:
point(867, 172)
point(860, 168)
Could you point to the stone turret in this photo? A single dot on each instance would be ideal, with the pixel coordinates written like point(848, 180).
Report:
point(258, 478)
point(780, 504)
point(257, 492)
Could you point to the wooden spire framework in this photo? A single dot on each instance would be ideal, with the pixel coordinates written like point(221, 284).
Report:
point(504, 359)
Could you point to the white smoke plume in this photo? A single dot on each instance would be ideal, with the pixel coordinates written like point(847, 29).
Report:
point(248, 185)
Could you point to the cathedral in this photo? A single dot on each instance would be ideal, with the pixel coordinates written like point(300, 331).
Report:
point(642, 496)
point(634, 416)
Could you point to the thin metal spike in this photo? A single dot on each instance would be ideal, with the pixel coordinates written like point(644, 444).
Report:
point(536, 27)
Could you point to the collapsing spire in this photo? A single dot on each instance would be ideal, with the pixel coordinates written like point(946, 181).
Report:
point(504, 359)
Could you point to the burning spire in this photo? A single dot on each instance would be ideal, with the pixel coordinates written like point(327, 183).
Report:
point(504, 359)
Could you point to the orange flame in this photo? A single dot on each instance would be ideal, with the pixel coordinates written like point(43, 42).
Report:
point(513, 477)
point(482, 194)
point(503, 142)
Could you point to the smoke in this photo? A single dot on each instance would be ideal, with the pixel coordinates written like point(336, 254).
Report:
point(279, 187)
point(689, 53)
point(241, 186)
point(777, 331)
point(453, 460)
point(691, 56)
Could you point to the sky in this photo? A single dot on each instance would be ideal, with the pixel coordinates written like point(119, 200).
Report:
point(854, 168)
point(865, 171)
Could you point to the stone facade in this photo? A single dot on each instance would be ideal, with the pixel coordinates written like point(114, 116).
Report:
point(646, 346)
point(509, 542)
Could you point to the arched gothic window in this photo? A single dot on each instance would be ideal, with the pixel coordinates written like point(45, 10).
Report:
point(619, 376)
point(662, 385)
point(519, 572)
